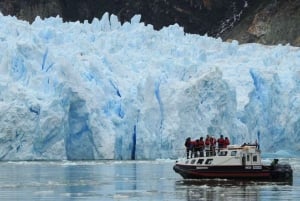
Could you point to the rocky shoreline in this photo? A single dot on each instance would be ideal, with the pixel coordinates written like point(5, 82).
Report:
point(268, 22)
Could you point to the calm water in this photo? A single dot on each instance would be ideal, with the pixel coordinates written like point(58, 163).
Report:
point(129, 180)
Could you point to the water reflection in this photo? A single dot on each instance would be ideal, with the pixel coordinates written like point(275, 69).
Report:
point(78, 180)
point(228, 182)
point(223, 189)
point(126, 177)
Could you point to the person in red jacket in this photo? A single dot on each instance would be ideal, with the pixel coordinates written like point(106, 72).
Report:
point(221, 142)
point(199, 147)
point(213, 143)
point(207, 145)
point(193, 148)
point(226, 142)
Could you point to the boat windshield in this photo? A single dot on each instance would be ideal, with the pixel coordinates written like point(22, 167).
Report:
point(233, 153)
point(223, 153)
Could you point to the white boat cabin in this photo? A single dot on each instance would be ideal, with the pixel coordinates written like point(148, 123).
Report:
point(233, 155)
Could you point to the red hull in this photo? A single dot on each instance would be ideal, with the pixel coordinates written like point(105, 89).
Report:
point(233, 172)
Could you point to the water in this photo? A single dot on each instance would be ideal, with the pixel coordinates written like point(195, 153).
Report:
point(129, 180)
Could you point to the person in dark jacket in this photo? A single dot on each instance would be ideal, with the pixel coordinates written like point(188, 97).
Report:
point(188, 147)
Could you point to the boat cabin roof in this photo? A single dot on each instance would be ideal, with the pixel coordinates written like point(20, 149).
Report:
point(247, 148)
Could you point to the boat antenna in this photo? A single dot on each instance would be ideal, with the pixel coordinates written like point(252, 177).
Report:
point(258, 139)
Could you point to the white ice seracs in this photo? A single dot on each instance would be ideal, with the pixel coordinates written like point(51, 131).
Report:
point(110, 91)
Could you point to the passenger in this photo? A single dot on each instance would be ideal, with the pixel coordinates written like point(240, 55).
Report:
point(207, 145)
point(226, 142)
point(188, 147)
point(193, 149)
point(199, 147)
point(221, 142)
point(274, 163)
point(213, 143)
point(201, 142)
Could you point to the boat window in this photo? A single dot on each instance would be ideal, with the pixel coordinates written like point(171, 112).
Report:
point(186, 162)
point(200, 161)
point(223, 153)
point(193, 161)
point(208, 161)
point(233, 153)
point(248, 157)
point(255, 158)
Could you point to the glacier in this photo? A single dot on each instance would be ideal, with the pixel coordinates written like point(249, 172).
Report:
point(106, 90)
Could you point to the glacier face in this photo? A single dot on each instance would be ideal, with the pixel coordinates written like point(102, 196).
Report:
point(72, 91)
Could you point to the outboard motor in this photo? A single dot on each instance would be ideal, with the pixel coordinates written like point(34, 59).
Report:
point(281, 172)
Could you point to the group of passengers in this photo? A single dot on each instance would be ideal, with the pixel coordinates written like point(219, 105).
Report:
point(197, 148)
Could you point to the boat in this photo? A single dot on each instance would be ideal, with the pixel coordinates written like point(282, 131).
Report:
point(233, 162)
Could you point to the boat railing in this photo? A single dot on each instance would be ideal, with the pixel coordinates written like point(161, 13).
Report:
point(216, 151)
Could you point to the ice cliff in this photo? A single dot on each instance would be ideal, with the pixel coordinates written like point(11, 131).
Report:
point(103, 90)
